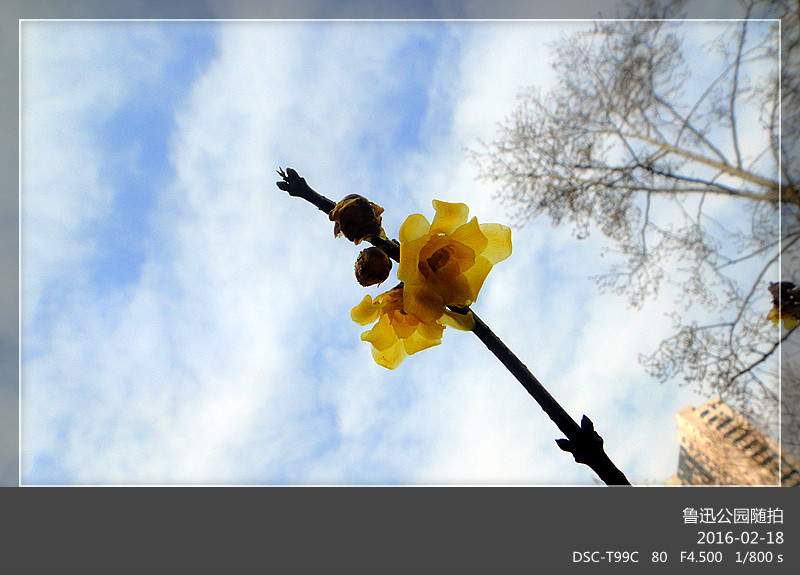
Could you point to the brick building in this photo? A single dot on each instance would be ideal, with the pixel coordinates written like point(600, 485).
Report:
point(718, 446)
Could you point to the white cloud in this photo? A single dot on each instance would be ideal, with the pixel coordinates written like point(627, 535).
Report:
point(205, 351)
point(65, 103)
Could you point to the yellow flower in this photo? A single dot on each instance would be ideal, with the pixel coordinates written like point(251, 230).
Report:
point(446, 262)
point(397, 334)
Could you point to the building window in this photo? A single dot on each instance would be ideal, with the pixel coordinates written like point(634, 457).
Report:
point(741, 437)
point(731, 431)
point(725, 422)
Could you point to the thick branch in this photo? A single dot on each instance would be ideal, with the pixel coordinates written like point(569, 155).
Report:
point(686, 125)
point(706, 185)
point(735, 91)
point(722, 167)
point(584, 443)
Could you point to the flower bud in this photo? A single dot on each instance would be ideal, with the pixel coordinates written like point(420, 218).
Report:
point(357, 219)
point(372, 266)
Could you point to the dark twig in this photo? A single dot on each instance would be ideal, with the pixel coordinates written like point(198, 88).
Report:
point(296, 186)
point(582, 441)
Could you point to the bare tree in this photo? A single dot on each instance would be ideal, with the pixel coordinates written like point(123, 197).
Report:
point(676, 157)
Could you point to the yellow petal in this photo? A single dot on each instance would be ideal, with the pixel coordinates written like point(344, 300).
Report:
point(417, 343)
point(443, 258)
point(365, 312)
point(381, 336)
point(403, 329)
point(476, 275)
point(499, 246)
point(471, 235)
point(790, 322)
point(390, 357)
point(460, 321)
point(774, 316)
point(415, 226)
point(457, 290)
point(422, 302)
point(408, 270)
point(448, 216)
point(430, 331)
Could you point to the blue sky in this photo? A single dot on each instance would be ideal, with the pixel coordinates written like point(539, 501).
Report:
point(185, 322)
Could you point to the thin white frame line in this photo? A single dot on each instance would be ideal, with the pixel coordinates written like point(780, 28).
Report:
point(19, 254)
point(455, 20)
point(21, 21)
point(780, 248)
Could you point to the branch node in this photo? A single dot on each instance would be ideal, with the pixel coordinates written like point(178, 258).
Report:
point(587, 446)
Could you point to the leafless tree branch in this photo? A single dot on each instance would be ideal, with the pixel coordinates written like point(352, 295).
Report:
point(687, 190)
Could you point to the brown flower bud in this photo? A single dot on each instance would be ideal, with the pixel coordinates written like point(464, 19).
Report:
point(372, 266)
point(357, 219)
